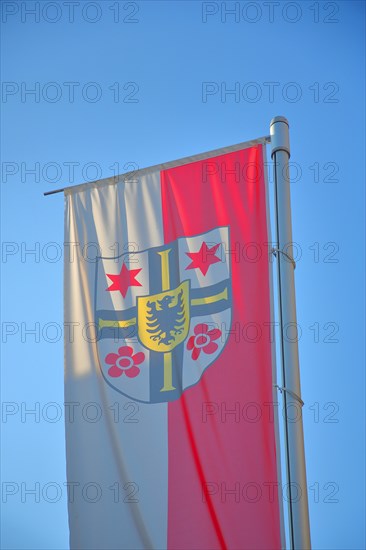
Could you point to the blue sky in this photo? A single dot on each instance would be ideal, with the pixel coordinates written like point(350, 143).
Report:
point(130, 84)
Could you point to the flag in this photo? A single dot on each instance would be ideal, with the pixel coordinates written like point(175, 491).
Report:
point(171, 431)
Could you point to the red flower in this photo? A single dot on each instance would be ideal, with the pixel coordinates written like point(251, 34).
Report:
point(203, 339)
point(124, 362)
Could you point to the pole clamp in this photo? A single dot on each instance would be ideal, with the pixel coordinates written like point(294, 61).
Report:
point(277, 250)
point(293, 394)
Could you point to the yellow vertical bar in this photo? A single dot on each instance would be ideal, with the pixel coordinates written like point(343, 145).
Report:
point(165, 275)
point(168, 374)
point(165, 285)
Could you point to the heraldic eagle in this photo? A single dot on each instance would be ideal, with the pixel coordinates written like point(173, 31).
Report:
point(167, 321)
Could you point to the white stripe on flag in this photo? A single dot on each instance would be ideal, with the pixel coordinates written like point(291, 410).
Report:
point(104, 471)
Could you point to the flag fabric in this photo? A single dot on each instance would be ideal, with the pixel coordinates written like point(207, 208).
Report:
point(171, 431)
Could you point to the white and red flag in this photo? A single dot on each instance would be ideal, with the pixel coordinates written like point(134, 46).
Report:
point(171, 428)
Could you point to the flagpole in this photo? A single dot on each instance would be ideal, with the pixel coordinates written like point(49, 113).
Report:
point(294, 435)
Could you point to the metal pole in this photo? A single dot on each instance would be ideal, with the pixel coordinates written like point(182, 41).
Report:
point(294, 435)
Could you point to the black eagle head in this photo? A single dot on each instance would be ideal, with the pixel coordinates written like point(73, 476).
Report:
point(165, 301)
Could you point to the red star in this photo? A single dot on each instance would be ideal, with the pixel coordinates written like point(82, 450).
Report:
point(125, 279)
point(203, 258)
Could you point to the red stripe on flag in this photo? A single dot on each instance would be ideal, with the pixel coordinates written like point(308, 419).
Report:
point(207, 460)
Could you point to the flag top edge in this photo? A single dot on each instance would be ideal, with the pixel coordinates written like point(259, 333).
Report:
point(130, 176)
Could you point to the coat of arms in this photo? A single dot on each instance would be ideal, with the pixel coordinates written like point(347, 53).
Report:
point(163, 314)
